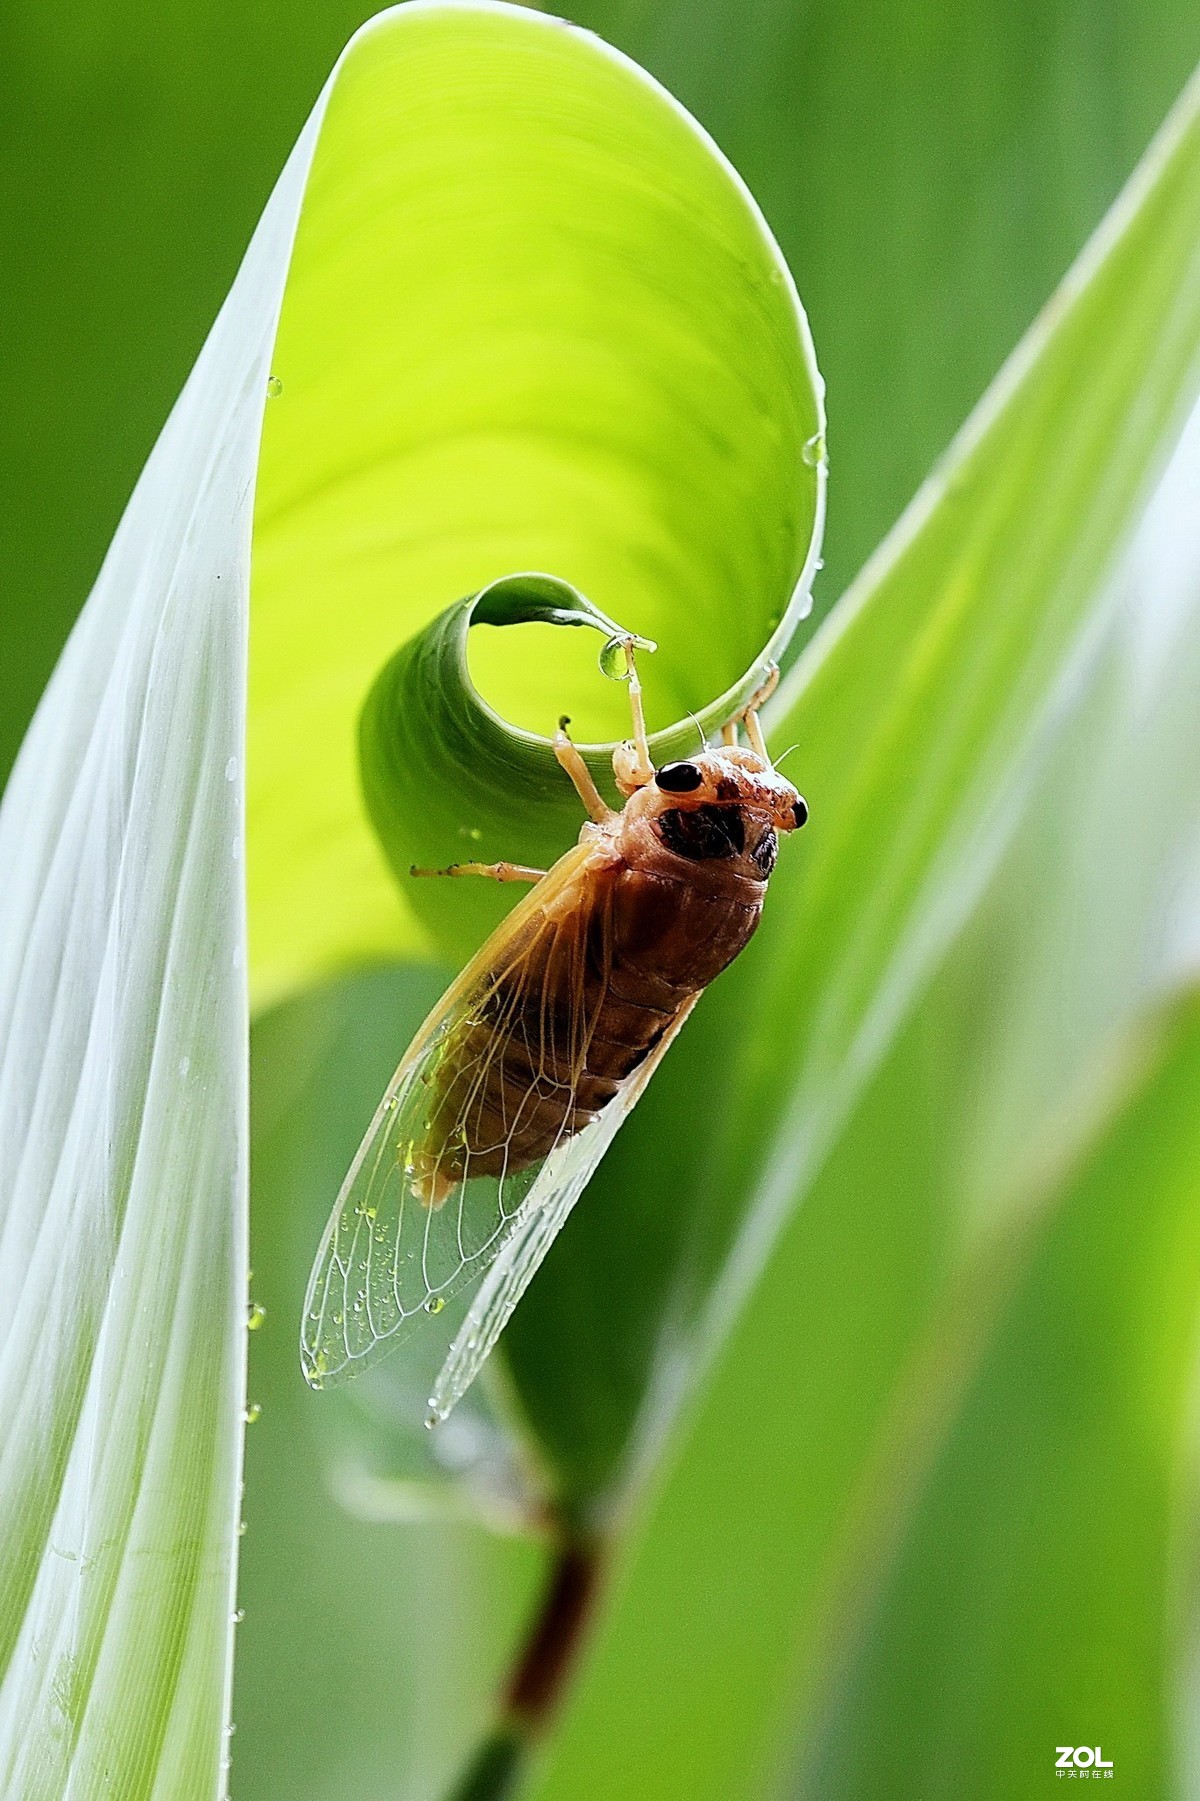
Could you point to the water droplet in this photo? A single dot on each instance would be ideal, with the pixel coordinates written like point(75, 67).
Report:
point(231, 770)
point(613, 661)
point(238, 1616)
point(274, 387)
point(431, 1419)
point(252, 1413)
point(435, 1303)
point(241, 1528)
point(369, 1212)
point(255, 1317)
point(814, 450)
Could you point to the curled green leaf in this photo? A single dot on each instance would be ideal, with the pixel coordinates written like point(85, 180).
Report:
point(549, 331)
point(428, 736)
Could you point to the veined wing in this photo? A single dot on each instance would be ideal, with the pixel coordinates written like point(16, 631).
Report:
point(542, 1215)
point(426, 1207)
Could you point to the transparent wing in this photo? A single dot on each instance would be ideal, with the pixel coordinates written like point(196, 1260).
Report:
point(434, 1194)
point(540, 1218)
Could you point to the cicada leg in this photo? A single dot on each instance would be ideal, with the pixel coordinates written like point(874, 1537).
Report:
point(498, 872)
point(632, 765)
point(645, 769)
point(594, 802)
point(749, 715)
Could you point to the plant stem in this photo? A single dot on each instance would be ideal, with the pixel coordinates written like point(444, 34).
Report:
point(536, 1684)
point(496, 1768)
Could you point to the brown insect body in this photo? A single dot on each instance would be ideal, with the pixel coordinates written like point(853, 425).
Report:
point(517, 1082)
point(650, 907)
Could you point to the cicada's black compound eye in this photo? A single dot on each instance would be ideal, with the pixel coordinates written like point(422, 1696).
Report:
point(800, 811)
point(678, 778)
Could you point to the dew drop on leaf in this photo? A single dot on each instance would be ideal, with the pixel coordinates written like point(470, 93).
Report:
point(613, 662)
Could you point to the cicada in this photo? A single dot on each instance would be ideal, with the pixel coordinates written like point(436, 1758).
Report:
point(519, 1079)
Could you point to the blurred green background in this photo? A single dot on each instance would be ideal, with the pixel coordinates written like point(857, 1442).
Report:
point(930, 170)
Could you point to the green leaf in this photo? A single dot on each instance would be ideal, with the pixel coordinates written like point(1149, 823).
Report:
point(425, 732)
point(1052, 1516)
point(123, 1165)
point(533, 322)
point(1068, 1325)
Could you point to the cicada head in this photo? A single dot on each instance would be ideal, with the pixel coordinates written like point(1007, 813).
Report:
point(726, 804)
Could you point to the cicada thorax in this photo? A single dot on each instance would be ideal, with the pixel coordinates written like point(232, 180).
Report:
point(583, 998)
